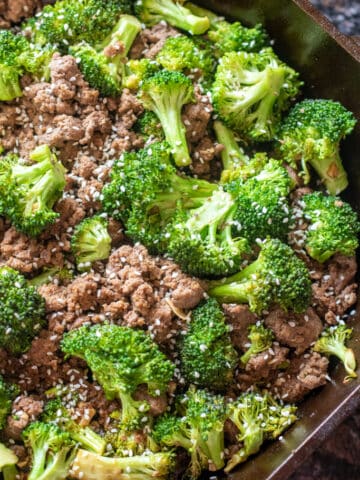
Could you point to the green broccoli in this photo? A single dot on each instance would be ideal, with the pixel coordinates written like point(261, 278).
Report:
point(56, 412)
point(8, 461)
point(52, 451)
point(260, 338)
point(199, 429)
point(234, 37)
point(208, 358)
point(90, 466)
point(204, 12)
point(29, 192)
point(121, 359)
point(149, 127)
point(103, 65)
point(72, 21)
point(172, 12)
point(332, 342)
point(239, 172)
point(257, 417)
point(201, 239)
point(278, 276)
point(232, 156)
point(333, 226)
point(252, 90)
point(8, 393)
point(145, 191)
point(136, 71)
point(50, 274)
point(91, 241)
point(192, 56)
point(22, 313)
point(311, 134)
point(165, 93)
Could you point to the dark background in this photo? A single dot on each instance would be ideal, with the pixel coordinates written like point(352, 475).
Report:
point(339, 457)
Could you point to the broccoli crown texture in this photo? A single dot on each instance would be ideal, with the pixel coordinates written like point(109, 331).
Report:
point(121, 359)
point(201, 240)
point(235, 37)
point(22, 313)
point(91, 241)
point(333, 226)
point(260, 339)
point(165, 93)
point(252, 90)
point(148, 125)
point(208, 358)
point(172, 12)
point(52, 451)
point(56, 412)
point(29, 192)
point(278, 276)
point(8, 460)
point(136, 71)
point(90, 466)
point(311, 134)
point(8, 393)
point(333, 342)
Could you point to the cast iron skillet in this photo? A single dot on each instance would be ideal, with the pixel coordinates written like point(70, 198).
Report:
point(329, 64)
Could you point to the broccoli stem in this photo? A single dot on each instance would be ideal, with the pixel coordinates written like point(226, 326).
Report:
point(9, 84)
point(331, 171)
point(10, 472)
point(8, 460)
point(131, 411)
point(213, 448)
point(337, 348)
point(87, 438)
point(124, 33)
point(232, 156)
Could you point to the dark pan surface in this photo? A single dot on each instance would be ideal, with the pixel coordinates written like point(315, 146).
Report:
point(329, 64)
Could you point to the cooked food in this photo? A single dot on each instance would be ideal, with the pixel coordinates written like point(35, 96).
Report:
point(170, 285)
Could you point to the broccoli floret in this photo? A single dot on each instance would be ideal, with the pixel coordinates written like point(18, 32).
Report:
point(49, 274)
point(8, 393)
point(201, 240)
point(165, 93)
point(172, 12)
point(232, 156)
point(52, 451)
point(8, 461)
point(91, 241)
point(333, 226)
point(29, 192)
point(200, 430)
point(91, 466)
point(149, 126)
point(136, 71)
point(56, 412)
point(311, 134)
point(260, 339)
point(235, 37)
point(257, 417)
point(252, 90)
point(262, 205)
point(103, 65)
point(72, 21)
point(208, 358)
point(145, 191)
point(121, 359)
point(243, 172)
point(192, 56)
point(332, 342)
point(22, 313)
point(278, 276)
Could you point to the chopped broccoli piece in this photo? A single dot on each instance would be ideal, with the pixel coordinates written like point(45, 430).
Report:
point(204, 12)
point(235, 37)
point(311, 134)
point(22, 313)
point(261, 339)
point(8, 461)
point(172, 12)
point(49, 274)
point(91, 241)
point(252, 90)
point(121, 359)
point(333, 226)
point(278, 276)
point(29, 192)
point(243, 172)
point(56, 412)
point(103, 65)
point(149, 126)
point(200, 430)
point(8, 393)
point(232, 156)
point(90, 466)
point(165, 93)
point(332, 342)
point(52, 451)
point(136, 71)
point(257, 417)
point(201, 240)
point(208, 358)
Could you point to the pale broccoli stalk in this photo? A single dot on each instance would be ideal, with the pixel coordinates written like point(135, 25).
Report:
point(8, 461)
point(261, 339)
point(332, 342)
point(232, 156)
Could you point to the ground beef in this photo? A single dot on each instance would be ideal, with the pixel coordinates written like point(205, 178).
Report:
point(239, 318)
point(25, 409)
point(13, 11)
point(150, 41)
